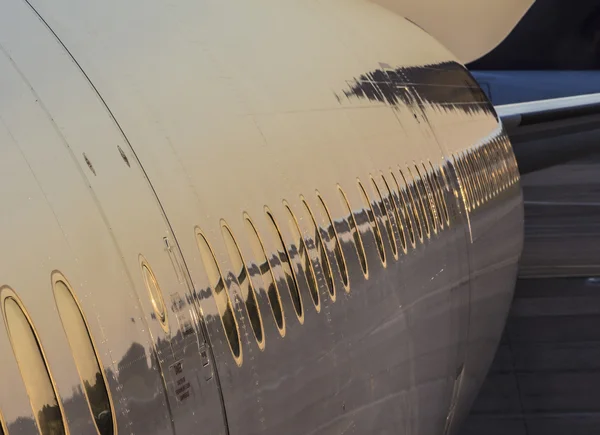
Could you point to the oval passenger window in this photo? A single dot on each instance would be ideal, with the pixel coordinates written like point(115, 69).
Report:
point(85, 355)
point(46, 406)
point(3, 430)
point(155, 293)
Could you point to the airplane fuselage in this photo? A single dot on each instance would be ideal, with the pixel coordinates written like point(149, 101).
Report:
point(245, 218)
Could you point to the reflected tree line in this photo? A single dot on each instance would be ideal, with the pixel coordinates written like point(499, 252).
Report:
point(49, 417)
point(134, 372)
point(441, 84)
point(141, 380)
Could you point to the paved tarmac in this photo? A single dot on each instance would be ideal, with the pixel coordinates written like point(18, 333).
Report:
point(562, 221)
point(545, 379)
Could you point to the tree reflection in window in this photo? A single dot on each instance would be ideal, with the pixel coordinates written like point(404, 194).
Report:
point(32, 366)
point(85, 355)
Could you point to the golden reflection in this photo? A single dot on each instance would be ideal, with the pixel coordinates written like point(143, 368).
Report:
point(469, 179)
point(337, 248)
point(424, 200)
point(413, 206)
point(460, 191)
point(476, 173)
point(246, 286)
point(484, 172)
point(471, 158)
point(267, 275)
point(304, 258)
point(222, 299)
point(85, 356)
point(286, 265)
point(492, 168)
point(510, 156)
point(156, 297)
point(472, 171)
point(358, 244)
point(429, 193)
point(494, 165)
point(437, 193)
point(403, 207)
point(3, 430)
point(504, 163)
point(396, 212)
point(467, 193)
point(373, 222)
point(444, 176)
point(321, 251)
point(515, 165)
point(33, 366)
point(503, 158)
point(437, 175)
point(387, 219)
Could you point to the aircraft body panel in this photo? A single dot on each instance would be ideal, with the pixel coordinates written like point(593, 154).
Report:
point(267, 230)
point(469, 28)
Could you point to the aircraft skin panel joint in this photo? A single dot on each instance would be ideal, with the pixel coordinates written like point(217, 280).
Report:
point(248, 220)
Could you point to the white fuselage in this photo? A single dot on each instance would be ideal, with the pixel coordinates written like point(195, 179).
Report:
point(237, 217)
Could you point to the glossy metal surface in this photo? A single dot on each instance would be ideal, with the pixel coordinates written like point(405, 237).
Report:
point(85, 355)
point(33, 366)
point(469, 28)
point(200, 165)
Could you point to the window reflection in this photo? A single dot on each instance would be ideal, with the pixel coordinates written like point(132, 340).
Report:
point(246, 286)
point(430, 223)
point(403, 201)
point(337, 249)
point(267, 275)
point(358, 244)
point(410, 194)
point(437, 178)
point(305, 262)
point(2, 425)
point(286, 265)
point(85, 356)
point(321, 250)
point(387, 218)
point(368, 209)
point(33, 367)
point(221, 296)
point(156, 298)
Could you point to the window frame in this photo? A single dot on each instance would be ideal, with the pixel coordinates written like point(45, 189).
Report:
point(7, 292)
point(57, 277)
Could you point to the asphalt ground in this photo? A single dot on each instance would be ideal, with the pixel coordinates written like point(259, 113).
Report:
point(545, 379)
